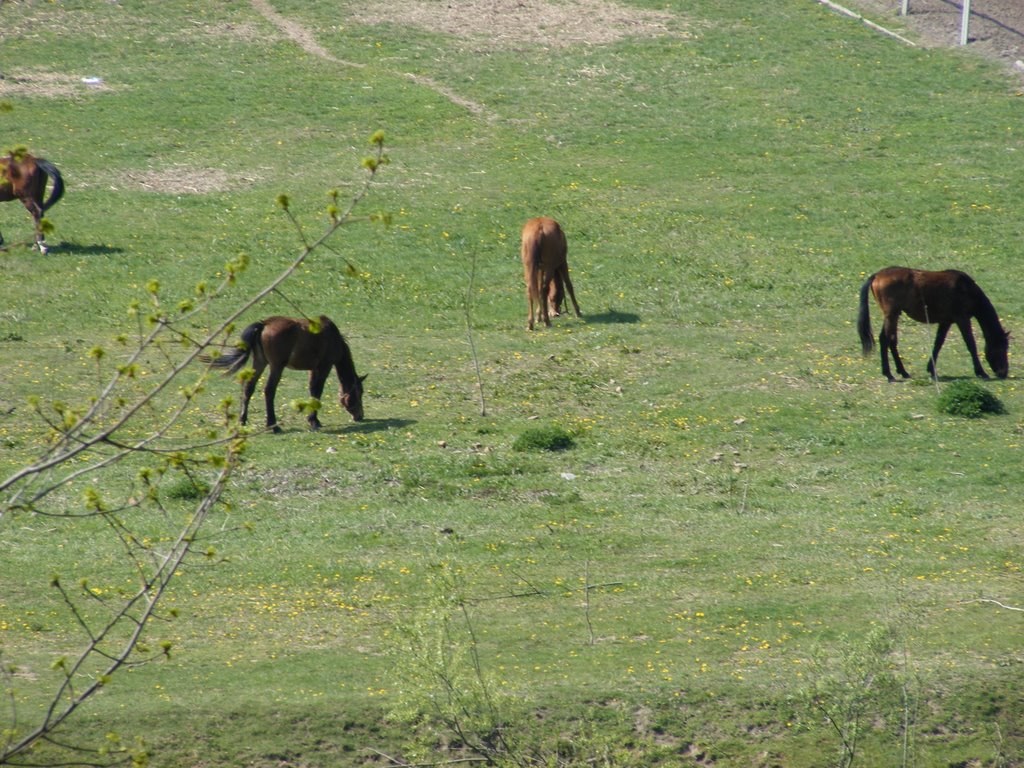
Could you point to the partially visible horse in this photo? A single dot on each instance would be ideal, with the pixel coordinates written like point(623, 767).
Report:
point(288, 342)
point(545, 269)
point(944, 298)
point(23, 177)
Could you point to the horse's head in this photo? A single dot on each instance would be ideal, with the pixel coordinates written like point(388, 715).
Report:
point(996, 354)
point(352, 399)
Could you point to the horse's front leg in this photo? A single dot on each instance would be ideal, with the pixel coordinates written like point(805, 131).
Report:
point(968, 334)
point(268, 396)
point(940, 339)
point(567, 284)
point(317, 377)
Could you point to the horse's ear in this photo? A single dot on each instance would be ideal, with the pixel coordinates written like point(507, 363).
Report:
point(363, 378)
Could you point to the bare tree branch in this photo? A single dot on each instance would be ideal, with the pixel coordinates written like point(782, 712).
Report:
point(89, 445)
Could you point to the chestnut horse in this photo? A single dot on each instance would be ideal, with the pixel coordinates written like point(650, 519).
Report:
point(289, 342)
point(943, 298)
point(545, 269)
point(23, 177)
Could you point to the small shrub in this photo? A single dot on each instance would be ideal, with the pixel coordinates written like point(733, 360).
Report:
point(543, 439)
point(186, 489)
point(969, 399)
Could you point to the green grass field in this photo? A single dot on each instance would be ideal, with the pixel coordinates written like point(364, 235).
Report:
point(755, 543)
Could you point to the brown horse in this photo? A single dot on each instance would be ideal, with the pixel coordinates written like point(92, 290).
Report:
point(545, 269)
point(288, 342)
point(943, 298)
point(23, 177)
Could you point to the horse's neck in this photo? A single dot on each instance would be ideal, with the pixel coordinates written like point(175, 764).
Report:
point(987, 316)
point(346, 369)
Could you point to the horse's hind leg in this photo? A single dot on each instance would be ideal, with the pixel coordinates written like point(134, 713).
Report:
point(317, 378)
point(35, 208)
point(543, 281)
point(888, 342)
point(268, 396)
point(940, 339)
point(248, 387)
point(534, 299)
point(972, 347)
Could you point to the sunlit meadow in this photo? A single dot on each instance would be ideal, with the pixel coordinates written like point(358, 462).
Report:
point(753, 539)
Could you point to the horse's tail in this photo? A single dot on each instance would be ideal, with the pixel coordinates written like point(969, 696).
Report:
point(56, 182)
point(867, 341)
point(234, 360)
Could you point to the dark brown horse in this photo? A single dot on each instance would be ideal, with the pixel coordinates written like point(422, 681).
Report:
point(288, 342)
point(23, 177)
point(944, 298)
point(545, 269)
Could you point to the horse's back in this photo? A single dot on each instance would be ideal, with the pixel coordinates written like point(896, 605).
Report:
point(925, 295)
point(543, 242)
point(289, 342)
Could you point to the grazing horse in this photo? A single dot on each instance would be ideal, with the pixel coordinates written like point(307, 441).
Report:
point(546, 270)
point(288, 342)
point(943, 298)
point(23, 177)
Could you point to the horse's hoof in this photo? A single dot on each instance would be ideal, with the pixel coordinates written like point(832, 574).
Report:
point(276, 429)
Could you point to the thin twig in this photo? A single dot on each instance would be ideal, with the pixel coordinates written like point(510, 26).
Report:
point(586, 601)
point(403, 764)
point(469, 333)
point(994, 602)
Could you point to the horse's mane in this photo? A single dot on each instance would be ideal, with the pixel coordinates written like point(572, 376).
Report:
point(987, 316)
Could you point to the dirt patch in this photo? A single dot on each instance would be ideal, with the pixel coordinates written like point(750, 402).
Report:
point(246, 32)
point(996, 28)
point(512, 24)
point(178, 180)
point(48, 84)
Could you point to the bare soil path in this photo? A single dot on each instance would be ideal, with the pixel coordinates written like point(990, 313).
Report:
point(489, 24)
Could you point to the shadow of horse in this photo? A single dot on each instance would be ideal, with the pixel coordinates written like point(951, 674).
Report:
point(70, 248)
point(613, 316)
point(371, 426)
point(79, 249)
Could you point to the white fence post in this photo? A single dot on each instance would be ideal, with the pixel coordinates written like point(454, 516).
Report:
point(965, 22)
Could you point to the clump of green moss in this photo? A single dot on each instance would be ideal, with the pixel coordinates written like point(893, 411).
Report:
point(968, 398)
point(543, 439)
